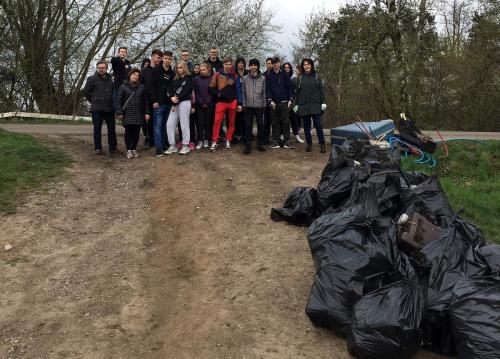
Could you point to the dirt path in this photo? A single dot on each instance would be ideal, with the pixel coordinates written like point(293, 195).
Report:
point(162, 258)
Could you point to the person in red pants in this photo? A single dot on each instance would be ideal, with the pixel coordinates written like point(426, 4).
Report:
point(226, 88)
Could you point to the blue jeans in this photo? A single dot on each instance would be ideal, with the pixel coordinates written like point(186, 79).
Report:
point(316, 119)
point(97, 118)
point(160, 116)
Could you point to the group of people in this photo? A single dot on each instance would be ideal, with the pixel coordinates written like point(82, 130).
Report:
point(191, 101)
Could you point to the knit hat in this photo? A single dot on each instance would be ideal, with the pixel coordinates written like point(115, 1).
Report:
point(254, 62)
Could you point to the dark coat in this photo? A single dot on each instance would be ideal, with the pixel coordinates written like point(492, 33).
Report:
point(120, 71)
point(160, 81)
point(136, 108)
point(99, 92)
point(279, 87)
point(216, 65)
point(202, 90)
point(309, 95)
point(181, 87)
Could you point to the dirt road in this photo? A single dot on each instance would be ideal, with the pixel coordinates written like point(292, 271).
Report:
point(172, 257)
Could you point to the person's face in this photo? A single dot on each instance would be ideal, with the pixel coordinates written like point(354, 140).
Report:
point(179, 69)
point(167, 61)
point(227, 66)
point(241, 66)
point(307, 67)
point(269, 64)
point(214, 53)
point(102, 69)
point(134, 77)
point(287, 69)
point(146, 64)
point(253, 68)
point(122, 53)
point(297, 72)
point(276, 66)
point(196, 69)
point(185, 56)
point(155, 59)
point(203, 71)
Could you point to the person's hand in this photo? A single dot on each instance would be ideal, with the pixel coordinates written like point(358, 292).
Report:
point(175, 99)
point(156, 105)
point(173, 109)
point(296, 108)
point(289, 104)
point(192, 110)
point(273, 105)
point(239, 108)
point(147, 117)
point(323, 106)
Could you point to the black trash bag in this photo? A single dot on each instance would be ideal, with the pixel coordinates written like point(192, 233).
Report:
point(453, 258)
point(429, 200)
point(387, 190)
point(299, 208)
point(385, 323)
point(491, 255)
point(413, 178)
point(475, 317)
point(354, 255)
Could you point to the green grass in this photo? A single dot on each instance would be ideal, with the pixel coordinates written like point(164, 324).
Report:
point(43, 121)
point(26, 164)
point(470, 177)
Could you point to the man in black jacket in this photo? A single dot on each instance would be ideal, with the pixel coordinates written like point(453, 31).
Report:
point(98, 91)
point(120, 66)
point(213, 59)
point(146, 80)
point(279, 90)
point(161, 78)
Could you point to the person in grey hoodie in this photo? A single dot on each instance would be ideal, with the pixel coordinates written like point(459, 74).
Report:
point(254, 103)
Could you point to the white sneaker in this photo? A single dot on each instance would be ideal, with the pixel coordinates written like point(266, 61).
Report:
point(135, 153)
point(171, 150)
point(205, 144)
point(213, 147)
point(299, 140)
point(199, 145)
point(130, 154)
point(185, 150)
point(227, 145)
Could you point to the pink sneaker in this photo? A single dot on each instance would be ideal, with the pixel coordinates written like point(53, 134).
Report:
point(191, 145)
point(179, 145)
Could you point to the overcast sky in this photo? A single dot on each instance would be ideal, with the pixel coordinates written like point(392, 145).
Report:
point(290, 14)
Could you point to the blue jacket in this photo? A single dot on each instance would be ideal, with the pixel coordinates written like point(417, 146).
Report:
point(279, 87)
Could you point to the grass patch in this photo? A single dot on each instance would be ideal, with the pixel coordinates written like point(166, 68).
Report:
point(43, 121)
point(26, 164)
point(470, 177)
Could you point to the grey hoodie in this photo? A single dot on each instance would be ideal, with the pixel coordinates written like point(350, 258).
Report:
point(254, 91)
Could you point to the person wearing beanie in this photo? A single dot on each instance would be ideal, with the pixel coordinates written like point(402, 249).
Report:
point(254, 102)
point(239, 125)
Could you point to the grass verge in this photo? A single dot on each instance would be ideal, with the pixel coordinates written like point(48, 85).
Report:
point(26, 164)
point(470, 176)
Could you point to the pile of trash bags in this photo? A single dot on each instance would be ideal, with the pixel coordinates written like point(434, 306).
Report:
point(396, 268)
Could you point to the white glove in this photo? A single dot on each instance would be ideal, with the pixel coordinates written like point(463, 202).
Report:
point(296, 108)
point(323, 107)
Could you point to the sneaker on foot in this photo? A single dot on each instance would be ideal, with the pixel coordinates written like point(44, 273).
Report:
point(135, 153)
point(309, 147)
point(227, 144)
point(171, 150)
point(248, 149)
point(179, 145)
point(130, 154)
point(185, 150)
point(261, 148)
point(191, 145)
point(288, 145)
point(206, 144)
point(213, 147)
point(274, 145)
point(98, 152)
point(299, 140)
point(199, 145)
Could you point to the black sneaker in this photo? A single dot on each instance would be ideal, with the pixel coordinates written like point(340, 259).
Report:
point(247, 149)
point(159, 153)
point(288, 145)
point(274, 145)
point(98, 152)
point(261, 148)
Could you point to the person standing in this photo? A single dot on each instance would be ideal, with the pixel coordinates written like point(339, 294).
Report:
point(132, 108)
point(180, 93)
point(204, 106)
point(310, 103)
point(280, 96)
point(145, 63)
point(120, 66)
point(294, 118)
point(185, 58)
point(213, 59)
point(161, 78)
point(226, 88)
point(147, 81)
point(267, 110)
point(254, 103)
point(239, 125)
point(98, 90)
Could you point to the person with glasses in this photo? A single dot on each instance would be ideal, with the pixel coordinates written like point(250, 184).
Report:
point(98, 91)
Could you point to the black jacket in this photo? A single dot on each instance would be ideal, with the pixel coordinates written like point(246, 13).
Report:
point(279, 87)
point(147, 79)
point(99, 92)
point(160, 81)
point(120, 71)
point(309, 95)
point(216, 65)
point(181, 87)
point(132, 102)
